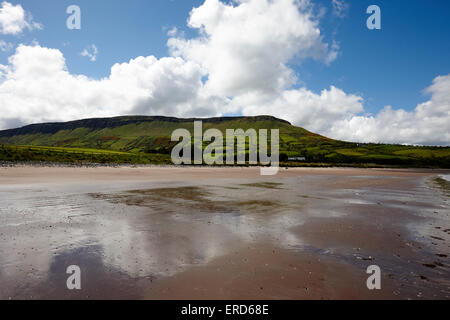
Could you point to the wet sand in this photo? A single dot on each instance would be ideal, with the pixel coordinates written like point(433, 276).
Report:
point(223, 233)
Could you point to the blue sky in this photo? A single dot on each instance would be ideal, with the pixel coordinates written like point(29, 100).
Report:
point(388, 67)
point(392, 66)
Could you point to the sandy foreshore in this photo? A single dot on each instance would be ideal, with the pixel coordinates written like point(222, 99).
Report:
point(61, 173)
point(223, 233)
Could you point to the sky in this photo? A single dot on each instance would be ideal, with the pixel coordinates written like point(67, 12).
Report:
point(313, 63)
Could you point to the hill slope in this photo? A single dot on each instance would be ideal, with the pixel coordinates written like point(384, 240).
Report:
point(142, 135)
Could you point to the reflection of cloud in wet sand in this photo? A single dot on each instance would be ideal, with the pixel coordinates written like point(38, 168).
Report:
point(141, 233)
point(132, 242)
point(243, 216)
point(124, 240)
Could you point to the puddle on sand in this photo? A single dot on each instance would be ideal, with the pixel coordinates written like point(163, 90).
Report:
point(192, 200)
point(226, 209)
point(263, 185)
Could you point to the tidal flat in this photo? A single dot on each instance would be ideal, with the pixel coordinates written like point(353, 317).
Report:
point(223, 233)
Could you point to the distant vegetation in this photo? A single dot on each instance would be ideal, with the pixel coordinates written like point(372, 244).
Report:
point(146, 140)
point(10, 153)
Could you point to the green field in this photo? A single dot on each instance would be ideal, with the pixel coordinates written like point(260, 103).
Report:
point(145, 140)
point(10, 153)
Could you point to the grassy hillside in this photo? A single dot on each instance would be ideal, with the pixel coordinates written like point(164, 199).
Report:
point(139, 139)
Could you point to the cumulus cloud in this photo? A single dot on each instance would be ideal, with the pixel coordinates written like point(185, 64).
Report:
point(91, 52)
point(238, 63)
point(429, 123)
point(36, 86)
point(14, 19)
point(336, 114)
point(317, 112)
point(247, 45)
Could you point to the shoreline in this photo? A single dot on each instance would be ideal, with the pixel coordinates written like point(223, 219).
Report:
point(7, 164)
point(69, 174)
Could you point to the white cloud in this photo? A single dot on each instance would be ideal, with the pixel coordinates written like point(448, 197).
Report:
point(336, 114)
point(91, 52)
point(14, 19)
point(316, 112)
point(340, 8)
point(247, 45)
point(37, 87)
point(429, 123)
point(244, 52)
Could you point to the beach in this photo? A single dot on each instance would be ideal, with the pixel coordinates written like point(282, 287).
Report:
point(223, 233)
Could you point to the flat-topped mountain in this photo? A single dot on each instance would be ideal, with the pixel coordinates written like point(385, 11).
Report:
point(142, 133)
point(146, 135)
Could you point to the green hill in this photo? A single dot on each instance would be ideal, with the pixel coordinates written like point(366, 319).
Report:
point(142, 139)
